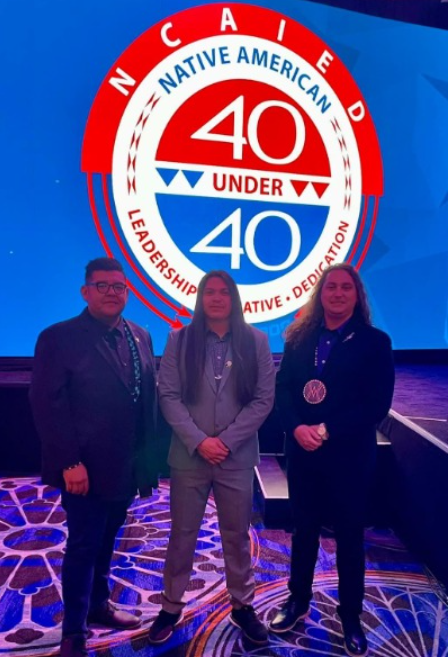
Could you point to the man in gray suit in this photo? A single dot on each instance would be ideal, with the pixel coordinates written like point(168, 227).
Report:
point(216, 387)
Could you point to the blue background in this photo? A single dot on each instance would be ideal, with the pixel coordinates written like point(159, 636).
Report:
point(54, 57)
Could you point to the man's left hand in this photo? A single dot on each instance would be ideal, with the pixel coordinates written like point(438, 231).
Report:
point(213, 450)
point(76, 480)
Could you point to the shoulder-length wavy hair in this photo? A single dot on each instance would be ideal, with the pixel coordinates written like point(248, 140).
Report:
point(313, 313)
point(244, 357)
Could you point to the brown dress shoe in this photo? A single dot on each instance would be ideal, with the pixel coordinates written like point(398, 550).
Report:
point(109, 616)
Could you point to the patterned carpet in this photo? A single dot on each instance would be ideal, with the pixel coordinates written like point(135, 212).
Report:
point(404, 616)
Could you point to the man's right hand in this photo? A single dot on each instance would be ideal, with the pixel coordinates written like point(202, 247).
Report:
point(213, 450)
point(76, 480)
point(307, 437)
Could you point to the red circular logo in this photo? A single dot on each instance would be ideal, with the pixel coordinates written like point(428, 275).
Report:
point(231, 137)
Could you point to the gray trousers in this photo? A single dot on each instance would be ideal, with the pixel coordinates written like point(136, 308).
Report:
point(189, 491)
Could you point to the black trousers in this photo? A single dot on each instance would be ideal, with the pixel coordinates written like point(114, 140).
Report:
point(327, 489)
point(92, 525)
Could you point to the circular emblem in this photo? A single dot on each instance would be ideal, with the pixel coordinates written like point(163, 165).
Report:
point(231, 137)
point(314, 391)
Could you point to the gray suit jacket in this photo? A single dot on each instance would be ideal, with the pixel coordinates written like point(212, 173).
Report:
point(217, 413)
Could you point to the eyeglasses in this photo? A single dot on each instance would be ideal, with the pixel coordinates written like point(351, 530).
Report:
point(103, 288)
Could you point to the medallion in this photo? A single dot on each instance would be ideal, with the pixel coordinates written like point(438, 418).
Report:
point(314, 391)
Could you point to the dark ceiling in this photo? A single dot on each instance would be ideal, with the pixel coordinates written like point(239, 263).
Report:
point(433, 13)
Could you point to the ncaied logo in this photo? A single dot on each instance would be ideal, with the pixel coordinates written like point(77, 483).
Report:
point(231, 137)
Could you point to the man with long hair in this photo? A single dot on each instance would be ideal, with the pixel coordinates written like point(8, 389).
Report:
point(216, 387)
point(334, 385)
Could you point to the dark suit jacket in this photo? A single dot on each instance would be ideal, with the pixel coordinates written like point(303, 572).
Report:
point(83, 410)
point(359, 377)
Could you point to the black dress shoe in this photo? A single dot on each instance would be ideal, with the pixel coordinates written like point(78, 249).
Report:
point(73, 646)
point(109, 616)
point(289, 614)
point(163, 627)
point(355, 642)
point(247, 620)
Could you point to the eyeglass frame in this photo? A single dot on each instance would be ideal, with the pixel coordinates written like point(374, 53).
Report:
point(122, 287)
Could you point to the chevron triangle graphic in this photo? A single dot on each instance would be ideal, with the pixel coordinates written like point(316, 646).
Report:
point(193, 177)
point(320, 188)
point(299, 186)
point(167, 175)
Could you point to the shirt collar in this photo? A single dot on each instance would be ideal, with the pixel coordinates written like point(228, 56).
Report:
point(212, 334)
point(337, 331)
point(103, 328)
point(119, 328)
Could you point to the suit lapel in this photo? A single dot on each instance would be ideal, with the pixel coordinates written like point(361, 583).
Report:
point(227, 366)
point(145, 371)
point(146, 362)
point(304, 359)
point(138, 345)
point(209, 372)
point(105, 352)
point(96, 336)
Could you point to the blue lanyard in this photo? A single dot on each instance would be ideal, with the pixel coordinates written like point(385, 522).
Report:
point(136, 361)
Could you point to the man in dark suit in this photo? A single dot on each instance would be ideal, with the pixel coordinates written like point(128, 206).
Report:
point(334, 385)
point(93, 398)
point(216, 387)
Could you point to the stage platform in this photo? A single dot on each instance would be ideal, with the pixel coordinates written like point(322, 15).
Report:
point(421, 398)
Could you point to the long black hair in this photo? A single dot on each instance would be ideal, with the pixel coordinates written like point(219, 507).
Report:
point(244, 372)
